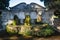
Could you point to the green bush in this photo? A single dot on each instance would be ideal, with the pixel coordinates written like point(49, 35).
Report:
point(47, 31)
point(35, 33)
point(27, 33)
point(14, 23)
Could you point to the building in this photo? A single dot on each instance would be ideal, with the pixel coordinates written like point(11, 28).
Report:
point(22, 10)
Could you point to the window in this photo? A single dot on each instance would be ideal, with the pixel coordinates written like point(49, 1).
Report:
point(21, 15)
point(4, 16)
point(33, 15)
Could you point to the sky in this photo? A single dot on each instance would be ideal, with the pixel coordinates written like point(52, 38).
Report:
point(15, 2)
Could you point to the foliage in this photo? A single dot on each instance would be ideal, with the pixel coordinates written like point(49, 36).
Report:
point(46, 31)
point(14, 22)
point(25, 31)
point(36, 31)
point(4, 4)
point(53, 4)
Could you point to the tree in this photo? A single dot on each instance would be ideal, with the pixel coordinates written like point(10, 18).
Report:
point(4, 4)
point(52, 4)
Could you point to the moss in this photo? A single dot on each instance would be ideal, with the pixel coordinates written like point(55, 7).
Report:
point(10, 29)
point(14, 22)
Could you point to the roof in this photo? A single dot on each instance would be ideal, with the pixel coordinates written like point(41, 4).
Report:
point(37, 4)
point(18, 4)
point(29, 4)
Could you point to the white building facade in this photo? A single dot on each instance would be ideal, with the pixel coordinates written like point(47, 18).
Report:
point(21, 10)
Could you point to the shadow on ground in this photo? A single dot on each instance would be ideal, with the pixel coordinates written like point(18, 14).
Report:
point(5, 36)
